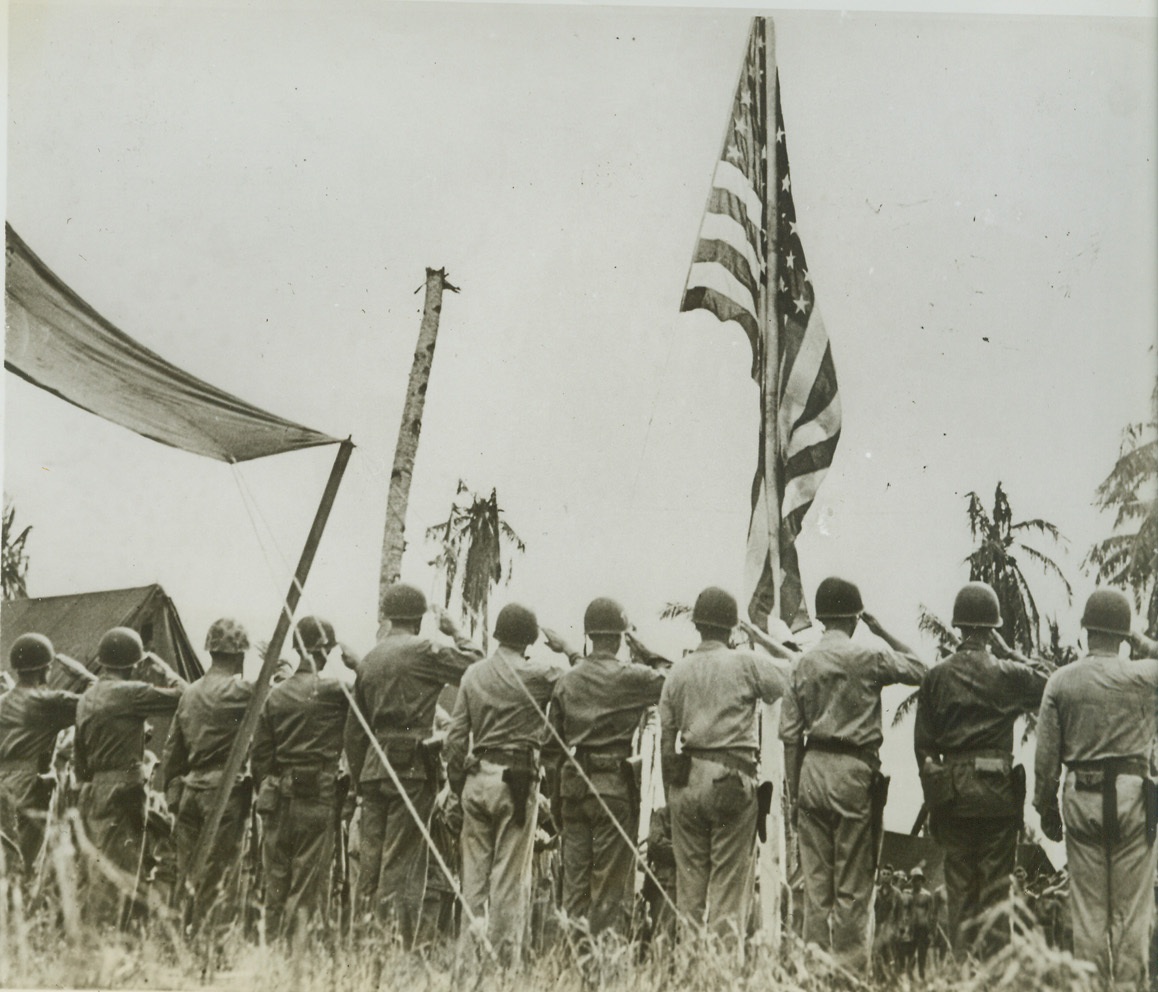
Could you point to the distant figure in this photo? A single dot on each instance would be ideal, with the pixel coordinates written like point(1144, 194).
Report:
point(923, 909)
point(884, 931)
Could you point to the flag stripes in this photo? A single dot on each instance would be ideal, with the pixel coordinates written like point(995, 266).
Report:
point(749, 267)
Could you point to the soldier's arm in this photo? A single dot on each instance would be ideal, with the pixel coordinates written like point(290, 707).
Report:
point(60, 709)
point(150, 700)
point(773, 647)
point(792, 734)
point(1030, 674)
point(1142, 647)
point(156, 671)
point(356, 741)
point(262, 755)
point(1047, 764)
point(175, 761)
point(444, 664)
point(668, 730)
point(924, 732)
point(641, 654)
point(772, 677)
point(457, 742)
point(901, 666)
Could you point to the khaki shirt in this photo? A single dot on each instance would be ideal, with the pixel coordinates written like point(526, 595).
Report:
point(301, 726)
point(599, 702)
point(208, 718)
point(493, 709)
point(971, 701)
point(710, 697)
point(397, 691)
point(836, 691)
point(110, 723)
point(30, 719)
point(1100, 707)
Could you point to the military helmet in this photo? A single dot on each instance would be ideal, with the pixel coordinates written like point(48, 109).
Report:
point(1108, 611)
point(315, 634)
point(121, 647)
point(716, 607)
point(837, 598)
point(917, 872)
point(226, 636)
point(976, 605)
point(605, 616)
point(402, 601)
point(31, 652)
point(516, 626)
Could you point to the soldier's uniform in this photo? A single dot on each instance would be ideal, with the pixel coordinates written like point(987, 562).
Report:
point(31, 715)
point(596, 710)
point(109, 751)
point(1098, 718)
point(966, 709)
point(833, 712)
point(884, 904)
point(200, 738)
point(498, 718)
point(397, 691)
point(296, 752)
point(709, 703)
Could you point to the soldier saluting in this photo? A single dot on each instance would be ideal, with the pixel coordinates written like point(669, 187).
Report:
point(1098, 718)
point(31, 715)
point(831, 728)
point(966, 709)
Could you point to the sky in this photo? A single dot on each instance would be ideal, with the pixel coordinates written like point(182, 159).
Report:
point(254, 191)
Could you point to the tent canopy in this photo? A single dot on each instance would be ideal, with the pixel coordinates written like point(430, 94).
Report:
point(76, 623)
point(58, 342)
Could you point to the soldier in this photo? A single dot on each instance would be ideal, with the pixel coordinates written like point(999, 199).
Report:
point(831, 728)
point(396, 692)
point(109, 750)
point(883, 917)
point(923, 921)
point(200, 739)
point(966, 709)
point(595, 712)
point(296, 752)
point(708, 708)
point(499, 715)
point(1098, 718)
point(31, 715)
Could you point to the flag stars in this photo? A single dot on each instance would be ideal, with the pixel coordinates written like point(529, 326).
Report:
point(801, 303)
point(786, 185)
point(790, 260)
point(779, 135)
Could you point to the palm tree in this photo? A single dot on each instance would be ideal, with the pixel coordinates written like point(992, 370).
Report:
point(476, 553)
point(14, 567)
point(995, 560)
point(1129, 557)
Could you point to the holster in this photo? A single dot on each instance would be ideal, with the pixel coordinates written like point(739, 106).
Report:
point(1018, 779)
point(1150, 800)
point(677, 769)
point(632, 769)
point(519, 781)
point(878, 797)
point(429, 754)
point(764, 792)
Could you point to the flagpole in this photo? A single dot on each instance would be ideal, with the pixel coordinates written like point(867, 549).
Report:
point(771, 750)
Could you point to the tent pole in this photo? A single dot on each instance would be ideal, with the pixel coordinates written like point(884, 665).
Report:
point(240, 749)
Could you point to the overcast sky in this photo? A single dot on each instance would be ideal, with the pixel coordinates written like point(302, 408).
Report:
point(255, 194)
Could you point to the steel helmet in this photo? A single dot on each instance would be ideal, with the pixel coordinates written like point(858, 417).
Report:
point(1108, 611)
point(517, 626)
point(315, 634)
point(121, 647)
point(836, 598)
point(31, 652)
point(605, 616)
point(976, 605)
point(226, 636)
point(403, 601)
point(716, 607)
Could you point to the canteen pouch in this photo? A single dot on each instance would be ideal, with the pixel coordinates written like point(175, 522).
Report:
point(402, 753)
point(268, 796)
point(632, 771)
point(679, 769)
point(429, 753)
point(764, 792)
point(519, 782)
point(1150, 799)
point(878, 797)
point(937, 785)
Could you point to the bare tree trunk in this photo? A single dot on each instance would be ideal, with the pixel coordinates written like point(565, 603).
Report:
point(394, 538)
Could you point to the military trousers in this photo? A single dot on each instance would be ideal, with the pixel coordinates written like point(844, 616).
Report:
point(112, 815)
point(598, 864)
point(496, 860)
point(713, 826)
point(980, 854)
point(25, 798)
point(393, 860)
point(297, 858)
point(217, 891)
point(1111, 886)
point(836, 858)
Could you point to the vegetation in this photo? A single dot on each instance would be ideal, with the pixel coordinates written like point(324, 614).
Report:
point(476, 553)
point(14, 566)
point(1129, 557)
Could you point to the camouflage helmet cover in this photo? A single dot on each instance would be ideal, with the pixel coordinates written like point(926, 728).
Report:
point(226, 636)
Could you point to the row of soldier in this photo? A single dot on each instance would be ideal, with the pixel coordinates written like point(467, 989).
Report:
point(521, 723)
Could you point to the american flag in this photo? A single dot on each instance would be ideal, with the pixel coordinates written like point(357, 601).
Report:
point(749, 268)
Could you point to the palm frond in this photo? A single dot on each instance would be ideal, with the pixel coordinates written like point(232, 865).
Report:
point(906, 706)
point(673, 610)
point(1050, 567)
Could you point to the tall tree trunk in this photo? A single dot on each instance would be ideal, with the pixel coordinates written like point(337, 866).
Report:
point(394, 538)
